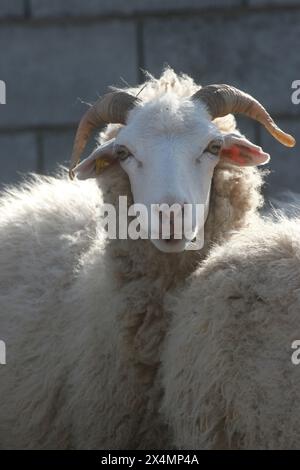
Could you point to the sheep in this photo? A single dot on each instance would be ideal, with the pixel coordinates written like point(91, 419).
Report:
point(227, 372)
point(102, 335)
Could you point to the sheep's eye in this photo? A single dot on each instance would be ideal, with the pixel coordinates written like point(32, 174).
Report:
point(122, 152)
point(214, 147)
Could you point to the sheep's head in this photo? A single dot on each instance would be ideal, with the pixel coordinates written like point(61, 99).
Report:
point(169, 148)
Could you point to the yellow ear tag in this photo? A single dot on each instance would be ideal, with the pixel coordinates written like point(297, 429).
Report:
point(101, 164)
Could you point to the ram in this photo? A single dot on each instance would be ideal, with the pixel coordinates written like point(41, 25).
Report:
point(127, 344)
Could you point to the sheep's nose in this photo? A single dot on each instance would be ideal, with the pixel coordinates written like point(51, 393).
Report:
point(170, 205)
point(170, 220)
point(169, 212)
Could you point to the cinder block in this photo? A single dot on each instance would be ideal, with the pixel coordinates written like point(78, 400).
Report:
point(256, 52)
point(47, 67)
point(285, 162)
point(11, 8)
point(59, 8)
point(18, 156)
point(267, 3)
point(248, 128)
point(57, 147)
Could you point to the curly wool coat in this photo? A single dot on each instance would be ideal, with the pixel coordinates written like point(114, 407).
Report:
point(113, 344)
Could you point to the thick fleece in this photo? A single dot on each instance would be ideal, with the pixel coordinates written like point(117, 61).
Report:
point(101, 336)
point(227, 372)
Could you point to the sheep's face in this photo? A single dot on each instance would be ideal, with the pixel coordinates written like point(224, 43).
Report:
point(169, 149)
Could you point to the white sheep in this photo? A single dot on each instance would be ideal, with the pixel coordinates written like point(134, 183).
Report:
point(227, 372)
point(127, 344)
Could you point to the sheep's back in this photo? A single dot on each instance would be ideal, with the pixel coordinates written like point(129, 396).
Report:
point(46, 226)
point(228, 374)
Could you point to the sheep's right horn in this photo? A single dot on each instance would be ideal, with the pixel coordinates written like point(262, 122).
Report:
point(111, 108)
point(225, 99)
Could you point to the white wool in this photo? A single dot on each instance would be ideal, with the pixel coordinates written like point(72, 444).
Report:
point(116, 345)
point(228, 377)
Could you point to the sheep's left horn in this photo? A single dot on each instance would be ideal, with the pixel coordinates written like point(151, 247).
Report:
point(111, 108)
point(225, 99)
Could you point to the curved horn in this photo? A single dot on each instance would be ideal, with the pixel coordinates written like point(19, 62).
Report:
point(224, 99)
point(111, 108)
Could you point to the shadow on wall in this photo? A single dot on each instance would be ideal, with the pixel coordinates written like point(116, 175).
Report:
point(69, 50)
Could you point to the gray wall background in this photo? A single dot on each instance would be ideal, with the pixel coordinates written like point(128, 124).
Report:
point(54, 51)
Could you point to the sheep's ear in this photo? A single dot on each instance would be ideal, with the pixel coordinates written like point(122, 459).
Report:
point(240, 151)
point(97, 162)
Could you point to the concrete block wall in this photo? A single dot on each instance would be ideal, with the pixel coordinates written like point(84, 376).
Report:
point(54, 53)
